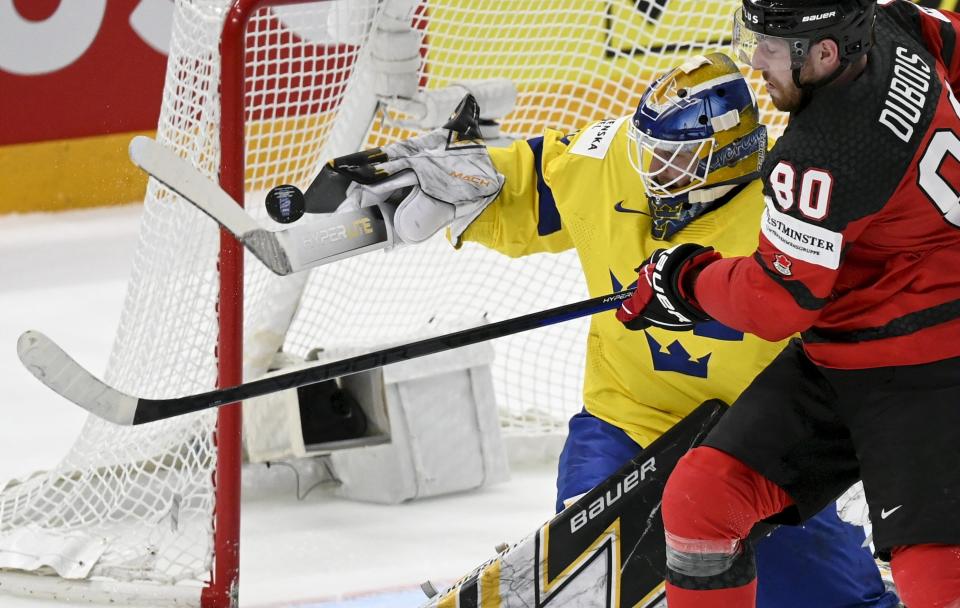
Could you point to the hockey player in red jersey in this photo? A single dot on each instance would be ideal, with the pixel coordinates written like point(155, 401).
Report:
point(859, 250)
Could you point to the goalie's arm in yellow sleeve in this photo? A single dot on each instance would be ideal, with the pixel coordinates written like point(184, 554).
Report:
point(525, 217)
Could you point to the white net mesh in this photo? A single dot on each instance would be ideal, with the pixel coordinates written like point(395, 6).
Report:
point(147, 492)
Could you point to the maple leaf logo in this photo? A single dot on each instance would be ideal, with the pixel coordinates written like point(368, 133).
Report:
point(782, 263)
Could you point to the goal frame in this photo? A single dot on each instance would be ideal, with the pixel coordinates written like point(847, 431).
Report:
point(223, 589)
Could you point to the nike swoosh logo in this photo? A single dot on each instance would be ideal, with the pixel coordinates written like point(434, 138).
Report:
point(619, 207)
point(885, 514)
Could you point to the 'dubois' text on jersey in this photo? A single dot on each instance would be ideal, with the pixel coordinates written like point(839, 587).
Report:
point(860, 238)
point(581, 192)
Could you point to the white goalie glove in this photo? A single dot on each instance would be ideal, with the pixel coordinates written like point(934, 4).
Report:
point(444, 178)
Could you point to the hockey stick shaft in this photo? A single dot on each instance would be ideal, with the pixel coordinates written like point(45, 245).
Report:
point(151, 410)
point(52, 366)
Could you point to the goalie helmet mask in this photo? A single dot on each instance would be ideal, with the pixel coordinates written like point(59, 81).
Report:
point(695, 136)
point(781, 32)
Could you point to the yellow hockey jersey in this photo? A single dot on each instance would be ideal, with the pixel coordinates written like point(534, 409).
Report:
point(582, 192)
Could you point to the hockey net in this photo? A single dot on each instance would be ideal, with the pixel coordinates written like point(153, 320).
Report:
point(138, 504)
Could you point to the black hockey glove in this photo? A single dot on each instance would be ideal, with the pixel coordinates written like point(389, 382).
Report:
point(664, 294)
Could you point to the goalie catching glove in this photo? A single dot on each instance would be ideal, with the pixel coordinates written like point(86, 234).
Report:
point(444, 178)
point(664, 294)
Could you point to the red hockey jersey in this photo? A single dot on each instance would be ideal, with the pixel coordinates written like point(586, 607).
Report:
point(860, 241)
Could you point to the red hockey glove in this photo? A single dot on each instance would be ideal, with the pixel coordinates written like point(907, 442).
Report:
point(664, 295)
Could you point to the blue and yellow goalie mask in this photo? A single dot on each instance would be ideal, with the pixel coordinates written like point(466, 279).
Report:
point(695, 136)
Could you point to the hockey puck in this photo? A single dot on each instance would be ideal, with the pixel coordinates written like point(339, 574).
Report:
point(285, 204)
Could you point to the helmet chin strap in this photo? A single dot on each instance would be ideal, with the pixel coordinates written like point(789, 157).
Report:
point(807, 90)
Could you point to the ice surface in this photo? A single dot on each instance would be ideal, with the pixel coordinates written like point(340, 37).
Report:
point(65, 274)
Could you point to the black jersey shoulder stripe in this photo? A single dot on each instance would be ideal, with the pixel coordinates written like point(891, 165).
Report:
point(801, 295)
point(901, 326)
point(911, 20)
point(947, 40)
point(948, 36)
point(908, 17)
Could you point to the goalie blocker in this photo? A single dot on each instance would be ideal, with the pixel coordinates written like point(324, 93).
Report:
point(401, 193)
point(606, 549)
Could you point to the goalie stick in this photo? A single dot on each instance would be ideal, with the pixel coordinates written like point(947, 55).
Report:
point(56, 369)
point(607, 549)
point(324, 239)
point(331, 237)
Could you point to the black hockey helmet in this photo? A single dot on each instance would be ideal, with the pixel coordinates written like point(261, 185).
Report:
point(792, 26)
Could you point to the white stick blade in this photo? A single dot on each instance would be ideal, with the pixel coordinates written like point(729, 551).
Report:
point(183, 178)
point(56, 369)
point(163, 165)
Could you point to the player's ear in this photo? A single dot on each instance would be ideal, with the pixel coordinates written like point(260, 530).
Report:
point(827, 54)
